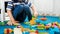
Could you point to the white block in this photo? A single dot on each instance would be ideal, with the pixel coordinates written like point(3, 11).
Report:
point(17, 31)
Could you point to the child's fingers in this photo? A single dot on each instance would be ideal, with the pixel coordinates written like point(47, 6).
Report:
point(9, 23)
point(17, 21)
point(35, 14)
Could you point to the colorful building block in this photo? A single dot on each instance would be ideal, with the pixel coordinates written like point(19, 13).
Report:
point(32, 22)
point(36, 32)
point(43, 19)
point(32, 31)
point(41, 27)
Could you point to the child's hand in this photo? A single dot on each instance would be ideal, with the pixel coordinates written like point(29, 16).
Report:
point(35, 14)
point(13, 23)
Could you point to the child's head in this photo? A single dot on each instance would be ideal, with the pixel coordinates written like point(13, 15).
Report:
point(19, 0)
point(25, 1)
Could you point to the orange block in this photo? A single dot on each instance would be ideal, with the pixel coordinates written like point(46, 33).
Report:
point(47, 27)
point(59, 27)
point(43, 18)
point(32, 22)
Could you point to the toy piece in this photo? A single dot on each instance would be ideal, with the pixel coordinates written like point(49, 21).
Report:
point(32, 22)
point(26, 30)
point(48, 26)
point(52, 26)
point(43, 19)
point(43, 33)
point(59, 26)
point(33, 18)
point(17, 31)
point(27, 23)
point(8, 31)
point(32, 31)
point(55, 23)
point(41, 26)
point(46, 33)
point(22, 29)
point(36, 32)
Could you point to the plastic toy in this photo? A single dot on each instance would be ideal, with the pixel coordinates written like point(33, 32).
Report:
point(8, 31)
point(47, 27)
point(26, 23)
point(52, 26)
point(32, 31)
point(55, 23)
point(17, 31)
point(22, 29)
point(59, 26)
point(36, 32)
point(32, 22)
point(49, 24)
point(41, 27)
point(43, 19)
point(33, 18)
point(43, 33)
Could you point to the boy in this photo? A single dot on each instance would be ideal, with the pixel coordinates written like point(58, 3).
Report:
point(20, 11)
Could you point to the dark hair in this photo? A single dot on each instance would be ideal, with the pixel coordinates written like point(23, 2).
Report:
point(15, 0)
point(18, 1)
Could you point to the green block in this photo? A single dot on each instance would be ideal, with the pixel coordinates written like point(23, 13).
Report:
point(43, 33)
point(27, 23)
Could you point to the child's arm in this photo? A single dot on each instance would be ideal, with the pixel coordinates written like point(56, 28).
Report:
point(34, 11)
point(12, 20)
point(9, 8)
point(10, 15)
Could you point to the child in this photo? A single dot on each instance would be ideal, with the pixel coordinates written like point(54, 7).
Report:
point(21, 9)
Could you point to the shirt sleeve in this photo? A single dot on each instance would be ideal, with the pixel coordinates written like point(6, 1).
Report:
point(30, 4)
point(9, 5)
